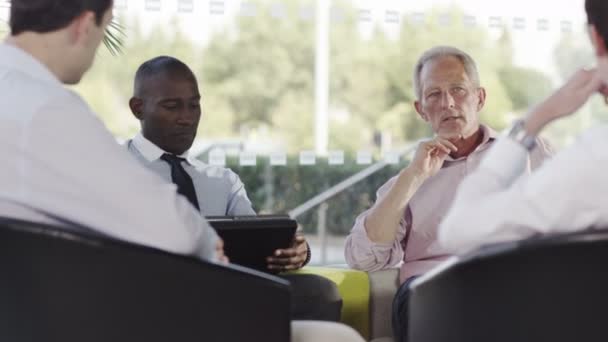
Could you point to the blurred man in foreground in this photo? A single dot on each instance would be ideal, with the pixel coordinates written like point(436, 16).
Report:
point(565, 195)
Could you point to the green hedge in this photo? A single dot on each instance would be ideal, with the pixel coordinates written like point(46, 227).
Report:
point(278, 189)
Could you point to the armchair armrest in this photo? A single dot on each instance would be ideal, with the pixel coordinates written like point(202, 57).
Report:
point(68, 287)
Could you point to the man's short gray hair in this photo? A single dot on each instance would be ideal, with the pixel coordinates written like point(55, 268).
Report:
point(444, 51)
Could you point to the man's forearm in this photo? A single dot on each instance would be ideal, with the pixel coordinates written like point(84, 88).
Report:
point(535, 121)
point(382, 222)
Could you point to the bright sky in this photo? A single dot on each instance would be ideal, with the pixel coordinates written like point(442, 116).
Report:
point(533, 47)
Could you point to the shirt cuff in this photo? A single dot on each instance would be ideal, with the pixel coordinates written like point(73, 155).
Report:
point(507, 159)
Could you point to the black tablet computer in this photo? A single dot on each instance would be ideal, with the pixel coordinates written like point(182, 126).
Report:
point(249, 240)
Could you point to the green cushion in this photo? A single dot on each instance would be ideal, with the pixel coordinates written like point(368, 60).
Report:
point(354, 289)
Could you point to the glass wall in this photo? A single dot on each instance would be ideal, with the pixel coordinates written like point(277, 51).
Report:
point(301, 95)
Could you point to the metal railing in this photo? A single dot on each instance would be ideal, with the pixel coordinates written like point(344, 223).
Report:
point(345, 184)
point(322, 198)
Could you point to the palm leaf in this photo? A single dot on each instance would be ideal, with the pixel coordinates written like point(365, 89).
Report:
point(114, 38)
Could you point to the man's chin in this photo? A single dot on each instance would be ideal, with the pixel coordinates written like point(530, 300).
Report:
point(74, 80)
point(179, 149)
point(451, 135)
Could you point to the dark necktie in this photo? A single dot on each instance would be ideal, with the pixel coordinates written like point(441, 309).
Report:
point(181, 178)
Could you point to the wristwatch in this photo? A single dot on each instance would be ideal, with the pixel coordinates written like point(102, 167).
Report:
point(307, 255)
point(519, 134)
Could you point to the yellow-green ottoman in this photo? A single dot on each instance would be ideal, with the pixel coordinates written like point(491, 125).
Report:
point(354, 288)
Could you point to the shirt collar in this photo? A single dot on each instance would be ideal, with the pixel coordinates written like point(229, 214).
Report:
point(14, 57)
point(150, 151)
point(488, 135)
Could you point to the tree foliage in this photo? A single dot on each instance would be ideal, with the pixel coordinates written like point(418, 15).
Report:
point(257, 75)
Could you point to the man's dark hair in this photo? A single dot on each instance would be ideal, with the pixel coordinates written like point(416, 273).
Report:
point(158, 65)
point(44, 16)
point(597, 15)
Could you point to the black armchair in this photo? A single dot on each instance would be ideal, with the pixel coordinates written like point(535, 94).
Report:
point(65, 287)
point(552, 288)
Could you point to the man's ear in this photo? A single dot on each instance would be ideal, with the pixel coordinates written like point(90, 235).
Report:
point(80, 27)
point(598, 41)
point(481, 94)
point(136, 104)
point(418, 107)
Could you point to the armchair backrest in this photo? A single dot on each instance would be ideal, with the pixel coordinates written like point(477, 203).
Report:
point(553, 288)
point(61, 286)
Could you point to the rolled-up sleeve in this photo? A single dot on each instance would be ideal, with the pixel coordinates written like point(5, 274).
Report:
point(363, 254)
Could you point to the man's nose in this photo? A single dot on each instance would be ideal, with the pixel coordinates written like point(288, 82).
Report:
point(187, 117)
point(447, 100)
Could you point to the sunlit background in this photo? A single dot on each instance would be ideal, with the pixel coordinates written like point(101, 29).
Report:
point(311, 101)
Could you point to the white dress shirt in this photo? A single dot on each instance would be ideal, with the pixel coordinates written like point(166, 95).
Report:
point(62, 166)
point(567, 193)
point(219, 191)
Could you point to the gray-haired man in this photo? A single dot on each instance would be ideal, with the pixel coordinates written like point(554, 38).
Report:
point(403, 223)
